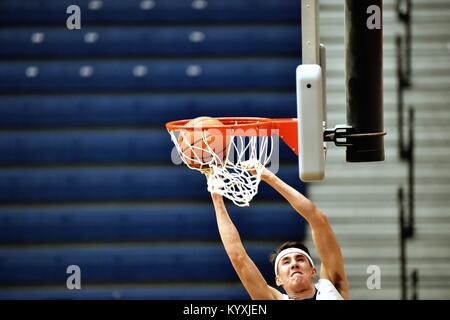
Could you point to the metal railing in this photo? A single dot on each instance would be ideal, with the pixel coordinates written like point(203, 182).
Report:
point(406, 150)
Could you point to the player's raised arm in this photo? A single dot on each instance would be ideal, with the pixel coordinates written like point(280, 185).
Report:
point(248, 273)
point(327, 246)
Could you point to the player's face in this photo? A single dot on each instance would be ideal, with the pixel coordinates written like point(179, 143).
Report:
point(295, 271)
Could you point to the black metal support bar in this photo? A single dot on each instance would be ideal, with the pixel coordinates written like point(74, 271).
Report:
point(409, 155)
point(404, 13)
point(411, 175)
point(406, 151)
point(403, 278)
point(400, 100)
point(364, 79)
point(407, 227)
point(415, 284)
point(406, 232)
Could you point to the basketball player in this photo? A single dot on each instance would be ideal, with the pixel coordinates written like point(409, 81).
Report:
point(294, 269)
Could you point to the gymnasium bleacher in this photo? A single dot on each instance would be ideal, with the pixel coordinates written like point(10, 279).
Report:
point(86, 176)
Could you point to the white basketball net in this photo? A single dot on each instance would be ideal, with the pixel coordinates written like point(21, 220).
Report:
point(235, 175)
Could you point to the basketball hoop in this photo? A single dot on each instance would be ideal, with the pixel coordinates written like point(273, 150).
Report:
point(231, 152)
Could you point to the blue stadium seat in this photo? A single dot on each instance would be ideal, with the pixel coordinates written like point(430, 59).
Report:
point(127, 263)
point(151, 42)
point(91, 184)
point(39, 111)
point(93, 147)
point(114, 76)
point(168, 222)
point(145, 11)
point(85, 147)
point(151, 292)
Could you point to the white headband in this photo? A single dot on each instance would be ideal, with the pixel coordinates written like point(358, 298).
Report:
point(287, 251)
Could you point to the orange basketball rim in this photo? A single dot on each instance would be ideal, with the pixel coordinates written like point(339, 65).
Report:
point(286, 128)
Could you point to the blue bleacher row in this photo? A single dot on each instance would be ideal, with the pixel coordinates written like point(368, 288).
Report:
point(114, 76)
point(127, 263)
point(84, 147)
point(97, 184)
point(44, 111)
point(31, 148)
point(152, 292)
point(150, 11)
point(169, 222)
point(151, 41)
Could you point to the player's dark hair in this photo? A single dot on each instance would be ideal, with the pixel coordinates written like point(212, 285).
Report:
point(286, 245)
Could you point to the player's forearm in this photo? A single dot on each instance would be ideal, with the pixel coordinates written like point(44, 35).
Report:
point(227, 230)
point(299, 202)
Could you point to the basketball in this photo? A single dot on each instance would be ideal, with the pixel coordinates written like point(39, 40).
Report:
point(198, 146)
